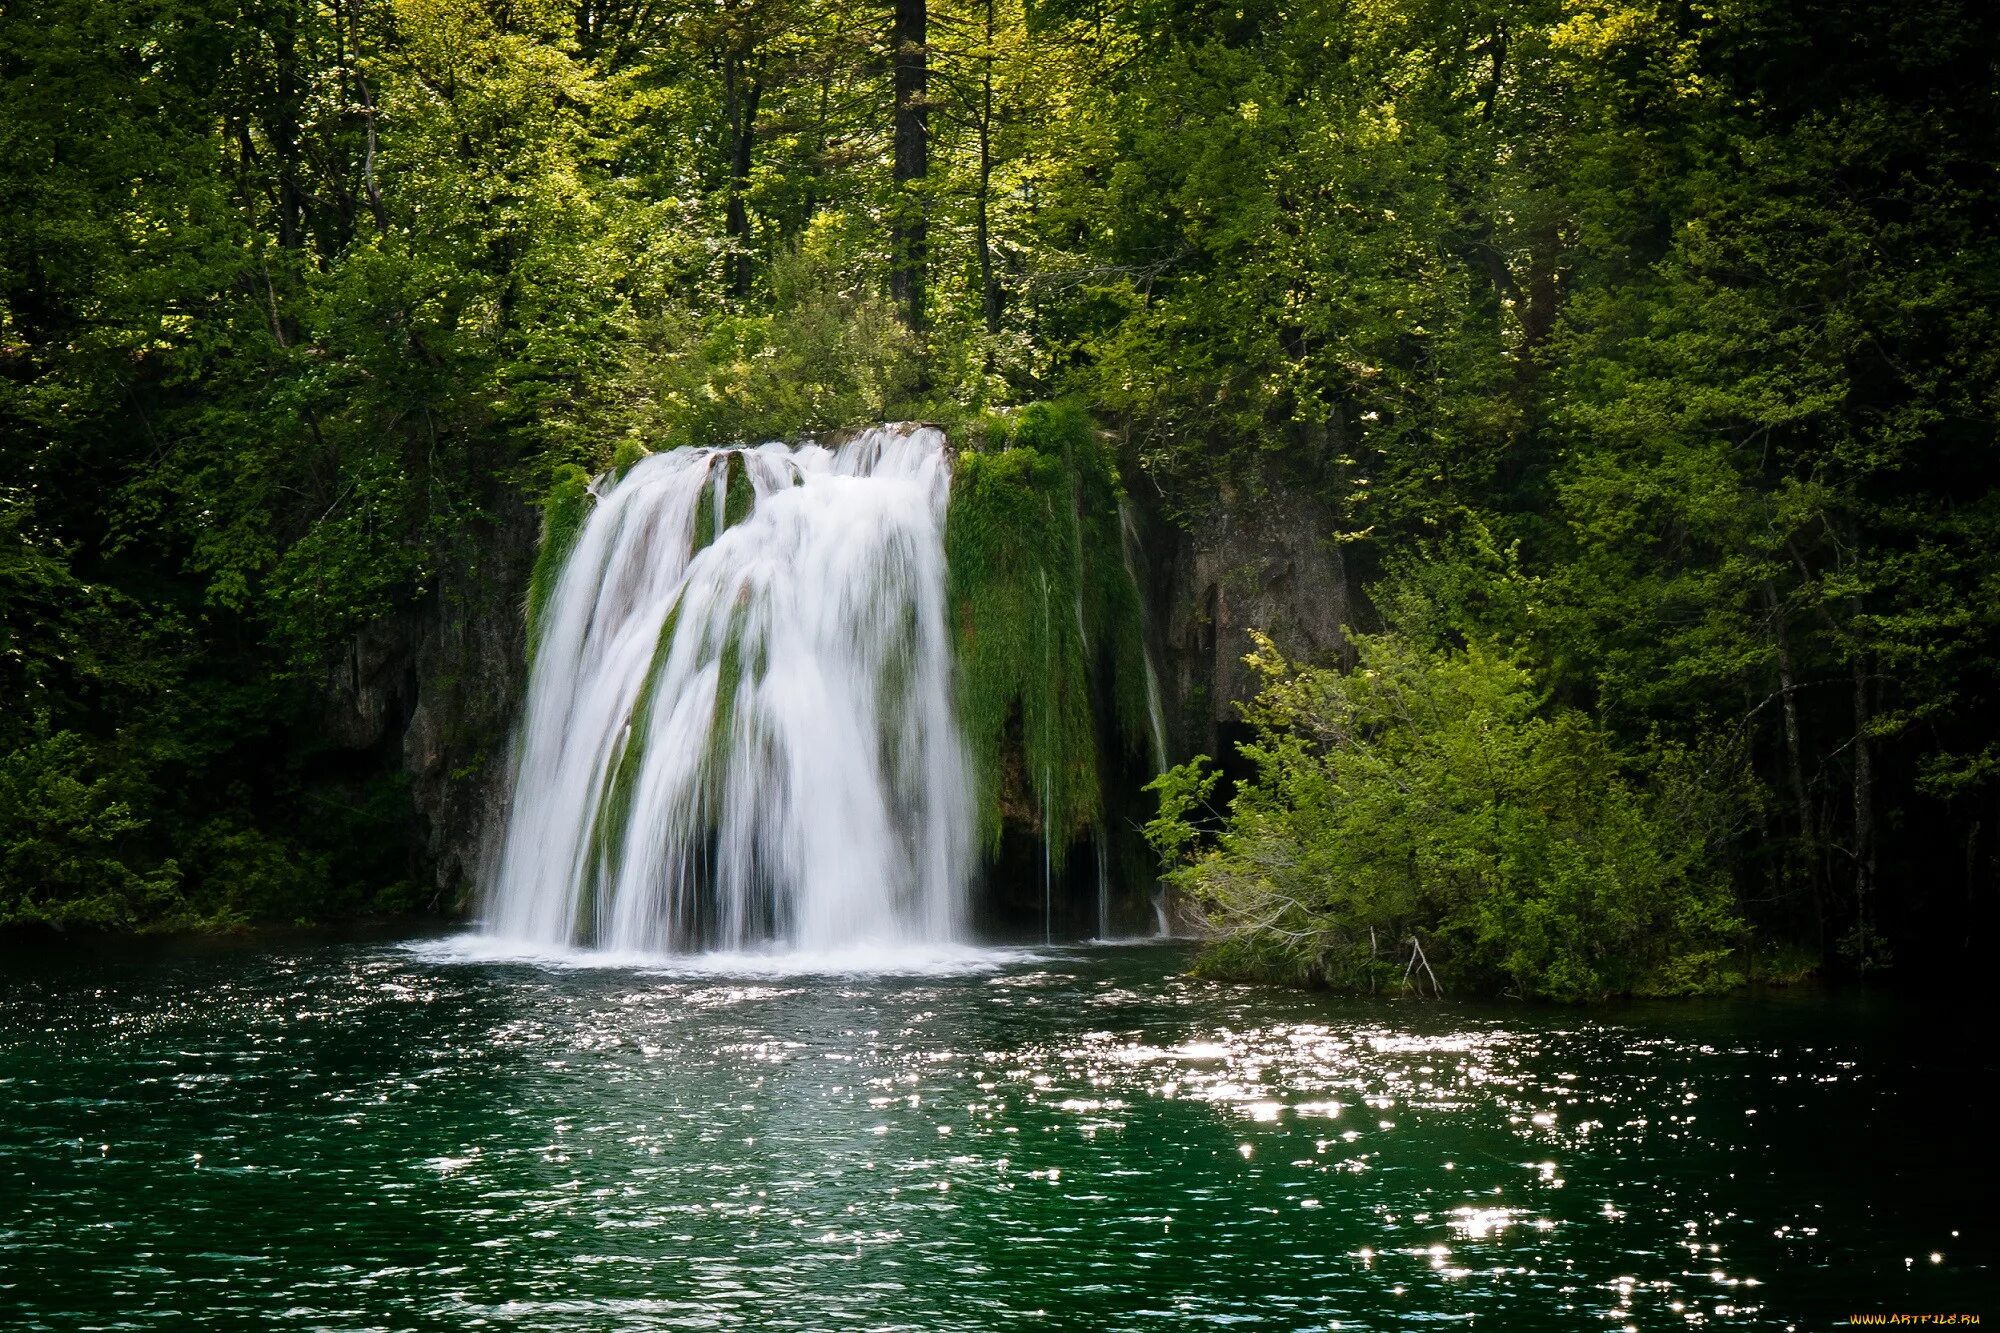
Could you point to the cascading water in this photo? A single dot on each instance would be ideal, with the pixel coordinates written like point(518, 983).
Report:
point(1101, 839)
point(1135, 559)
point(740, 729)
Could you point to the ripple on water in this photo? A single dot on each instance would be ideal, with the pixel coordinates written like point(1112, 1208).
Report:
point(349, 1136)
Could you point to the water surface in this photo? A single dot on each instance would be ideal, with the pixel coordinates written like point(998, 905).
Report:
point(315, 1134)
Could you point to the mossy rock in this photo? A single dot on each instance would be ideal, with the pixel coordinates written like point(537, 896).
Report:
point(1050, 635)
point(565, 509)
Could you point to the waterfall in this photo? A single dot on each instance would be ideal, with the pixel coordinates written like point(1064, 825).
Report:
point(1100, 837)
point(1048, 881)
point(740, 729)
point(1135, 557)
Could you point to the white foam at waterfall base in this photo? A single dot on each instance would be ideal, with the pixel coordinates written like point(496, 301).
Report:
point(752, 746)
point(864, 960)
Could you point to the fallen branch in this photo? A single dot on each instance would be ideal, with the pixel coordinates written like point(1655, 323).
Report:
point(1417, 957)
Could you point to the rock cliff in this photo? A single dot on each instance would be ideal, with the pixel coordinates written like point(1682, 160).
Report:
point(1261, 556)
point(433, 692)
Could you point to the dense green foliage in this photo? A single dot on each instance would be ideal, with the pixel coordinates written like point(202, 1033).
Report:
point(1425, 820)
point(275, 340)
point(1051, 646)
point(1661, 338)
point(1650, 347)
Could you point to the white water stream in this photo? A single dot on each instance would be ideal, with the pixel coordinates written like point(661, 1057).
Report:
point(753, 744)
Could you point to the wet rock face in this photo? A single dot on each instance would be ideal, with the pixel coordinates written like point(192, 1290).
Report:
point(370, 691)
point(471, 671)
point(433, 693)
point(1262, 557)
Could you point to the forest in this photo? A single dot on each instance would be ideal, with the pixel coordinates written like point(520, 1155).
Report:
point(1644, 352)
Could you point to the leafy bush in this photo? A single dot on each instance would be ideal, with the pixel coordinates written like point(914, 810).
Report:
point(829, 353)
point(1427, 815)
point(73, 840)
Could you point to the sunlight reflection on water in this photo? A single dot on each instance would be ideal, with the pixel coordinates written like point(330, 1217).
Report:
point(349, 1136)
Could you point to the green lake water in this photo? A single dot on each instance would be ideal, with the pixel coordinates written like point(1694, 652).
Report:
point(379, 1135)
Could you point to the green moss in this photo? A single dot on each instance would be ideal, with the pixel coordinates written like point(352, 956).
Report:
point(1048, 621)
point(1111, 598)
point(614, 811)
point(704, 523)
point(729, 666)
point(739, 497)
point(564, 510)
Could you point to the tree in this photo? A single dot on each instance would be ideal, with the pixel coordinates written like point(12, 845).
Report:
point(909, 242)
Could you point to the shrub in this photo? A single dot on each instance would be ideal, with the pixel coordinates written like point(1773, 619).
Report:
point(1427, 815)
point(74, 845)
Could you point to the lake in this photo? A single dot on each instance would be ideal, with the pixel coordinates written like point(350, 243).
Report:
point(306, 1132)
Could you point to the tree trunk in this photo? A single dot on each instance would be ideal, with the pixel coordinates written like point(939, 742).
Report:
point(370, 190)
point(1864, 815)
point(908, 238)
point(989, 288)
point(284, 131)
point(741, 95)
point(816, 161)
point(1794, 752)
